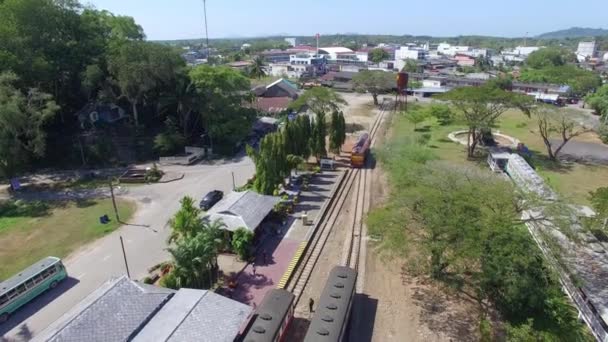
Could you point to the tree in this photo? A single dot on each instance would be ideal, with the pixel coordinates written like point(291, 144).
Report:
point(241, 242)
point(256, 70)
point(552, 121)
point(319, 132)
point(171, 141)
point(139, 67)
point(319, 100)
point(374, 82)
point(221, 93)
point(579, 80)
point(378, 55)
point(480, 107)
point(549, 57)
point(271, 165)
point(337, 132)
point(186, 223)
point(441, 112)
point(22, 120)
point(416, 116)
point(411, 65)
point(599, 101)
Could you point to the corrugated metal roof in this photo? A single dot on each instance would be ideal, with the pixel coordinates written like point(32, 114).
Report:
point(196, 315)
point(114, 312)
point(242, 209)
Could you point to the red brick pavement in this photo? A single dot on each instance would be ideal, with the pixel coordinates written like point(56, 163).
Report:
point(252, 288)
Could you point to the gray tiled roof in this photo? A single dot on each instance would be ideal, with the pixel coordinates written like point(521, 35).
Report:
point(242, 209)
point(196, 316)
point(114, 312)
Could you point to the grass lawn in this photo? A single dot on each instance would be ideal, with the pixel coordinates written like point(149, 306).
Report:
point(57, 229)
point(572, 180)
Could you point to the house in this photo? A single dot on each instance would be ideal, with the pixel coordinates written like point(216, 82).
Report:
point(245, 209)
point(275, 97)
point(240, 65)
point(126, 310)
point(95, 113)
point(586, 50)
point(265, 125)
point(464, 60)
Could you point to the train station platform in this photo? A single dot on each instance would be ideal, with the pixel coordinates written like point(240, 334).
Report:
point(280, 248)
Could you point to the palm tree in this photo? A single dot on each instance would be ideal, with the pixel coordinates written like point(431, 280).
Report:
point(194, 260)
point(256, 70)
point(187, 222)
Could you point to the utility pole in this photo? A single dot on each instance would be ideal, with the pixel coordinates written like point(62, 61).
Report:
point(233, 182)
point(122, 244)
point(206, 30)
point(114, 202)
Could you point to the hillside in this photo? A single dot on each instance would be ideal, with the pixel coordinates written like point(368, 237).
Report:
point(574, 32)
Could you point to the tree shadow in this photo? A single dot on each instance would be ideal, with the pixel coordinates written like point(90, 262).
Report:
point(423, 129)
point(25, 208)
point(297, 329)
point(247, 281)
point(542, 162)
point(439, 313)
point(34, 306)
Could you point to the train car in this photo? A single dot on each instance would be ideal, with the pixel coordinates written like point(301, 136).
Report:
point(271, 318)
point(332, 312)
point(360, 151)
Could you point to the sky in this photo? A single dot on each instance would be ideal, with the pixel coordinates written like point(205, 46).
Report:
point(183, 19)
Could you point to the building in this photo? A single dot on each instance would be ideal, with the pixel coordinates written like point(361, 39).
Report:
point(275, 97)
point(240, 65)
point(586, 50)
point(287, 70)
point(450, 50)
point(291, 41)
point(245, 209)
point(464, 60)
point(127, 310)
point(343, 56)
point(524, 51)
point(318, 63)
point(407, 52)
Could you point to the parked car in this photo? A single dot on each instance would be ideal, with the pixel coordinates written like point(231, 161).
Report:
point(211, 199)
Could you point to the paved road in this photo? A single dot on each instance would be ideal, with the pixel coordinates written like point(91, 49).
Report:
point(145, 243)
point(584, 151)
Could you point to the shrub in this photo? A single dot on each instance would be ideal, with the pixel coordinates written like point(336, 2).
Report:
point(148, 280)
point(154, 174)
point(169, 281)
point(241, 242)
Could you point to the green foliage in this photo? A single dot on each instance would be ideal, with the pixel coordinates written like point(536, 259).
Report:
point(270, 163)
point(378, 55)
point(581, 81)
point(599, 101)
point(480, 107)
point(411, 65)
point(21, 208)
point(549, 57)
point(599, 202)
point(241, 242)
point(186, 223)
point(485, 331)
point(140, 67)
point(221, 92)
point(464, 226)
point(256, 70)
point(171, 141)
point(416, 116)
point(337, 132)
point(504, 83)
point(154, 174)
point(22, 120)
point(319, 132)
point(319, 100)
point(374, 82)
point(443, 113)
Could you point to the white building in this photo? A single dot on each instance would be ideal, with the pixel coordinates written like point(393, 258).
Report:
point(333, 52)
point(409, 52)
point(291, 41)
point(524, 51)
point(586, 50)
point(450, 50)
point(289, 71)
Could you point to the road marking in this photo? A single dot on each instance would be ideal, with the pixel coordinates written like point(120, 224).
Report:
point(106, 257)
point(80, 276)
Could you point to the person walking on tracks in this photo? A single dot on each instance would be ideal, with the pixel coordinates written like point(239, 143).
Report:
point(311, 304)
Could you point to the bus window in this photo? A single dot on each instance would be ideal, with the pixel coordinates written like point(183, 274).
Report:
point(38, 278)
point(12, 294)
point(21, 288)
point(52, 270)
point(29, 283)
point(3, 299)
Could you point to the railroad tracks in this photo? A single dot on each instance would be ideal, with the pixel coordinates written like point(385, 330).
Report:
point(353, 178)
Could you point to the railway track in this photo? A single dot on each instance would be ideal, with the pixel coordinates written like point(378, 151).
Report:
point(356, 178)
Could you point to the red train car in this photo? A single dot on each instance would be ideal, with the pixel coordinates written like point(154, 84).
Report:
point(360, 151)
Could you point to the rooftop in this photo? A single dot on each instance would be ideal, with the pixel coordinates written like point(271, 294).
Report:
point(126, 310)
point(272, 104)
point(196, 315)
point(245, 209)
point(116, 311)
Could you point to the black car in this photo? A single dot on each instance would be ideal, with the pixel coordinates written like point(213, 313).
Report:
point(210, 199)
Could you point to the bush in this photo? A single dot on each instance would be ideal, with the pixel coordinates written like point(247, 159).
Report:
point(442, 113)
point(21, 208)
point(169, 281)
point(148, 280)
point(485, 330)
point(241, 242)
point(154, 174)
